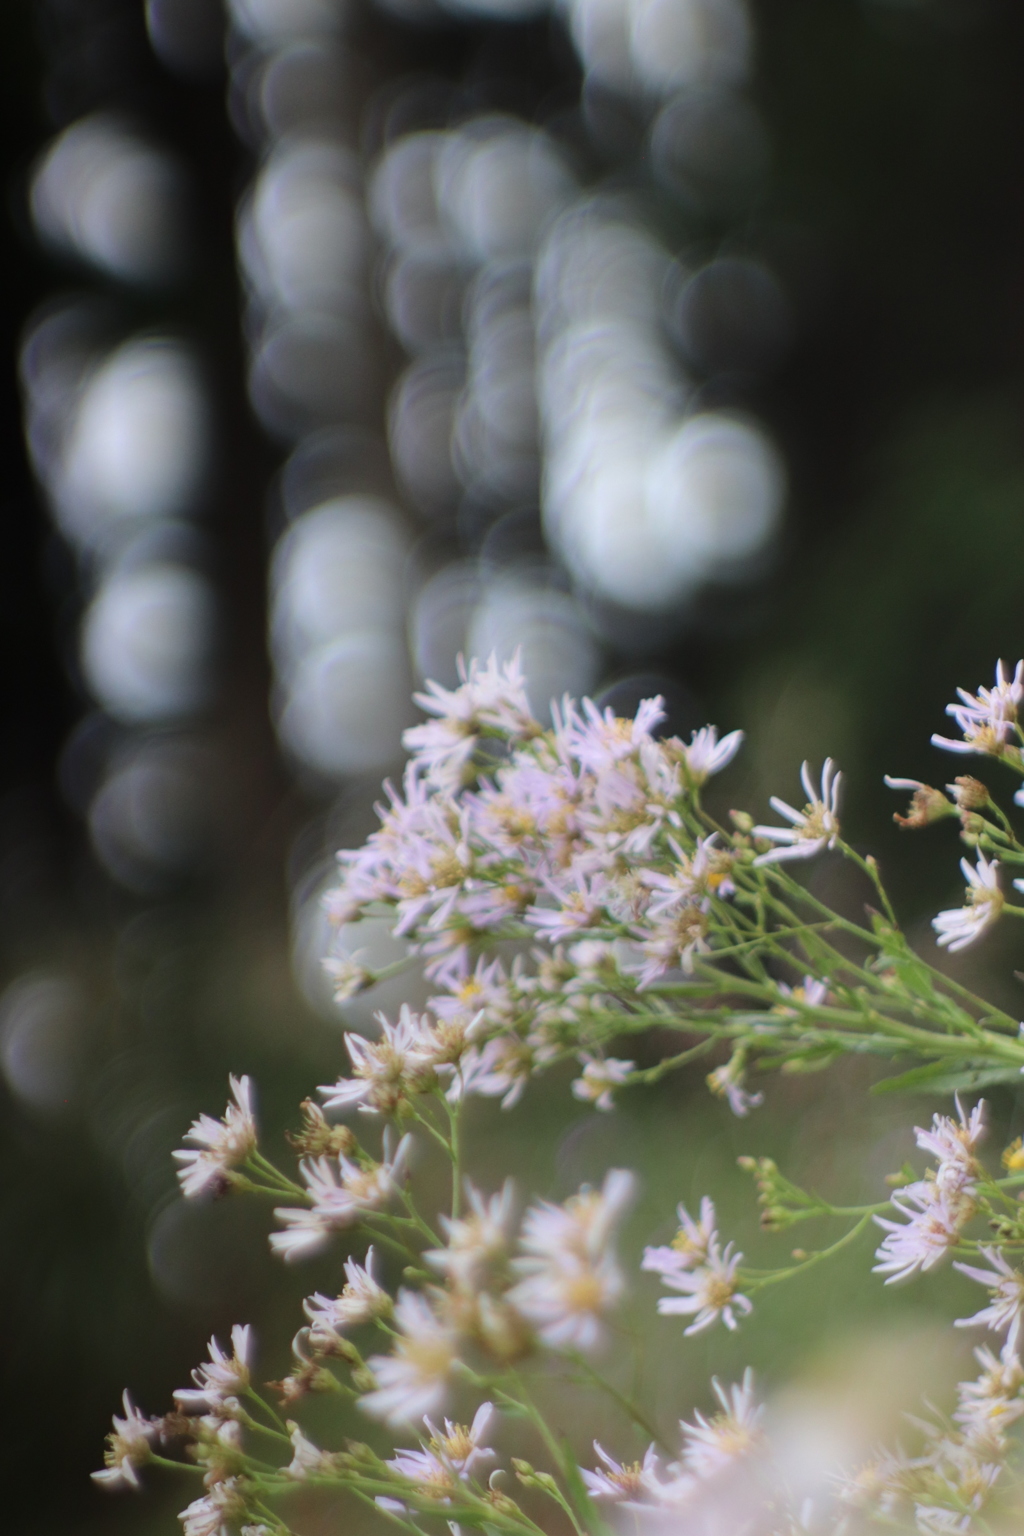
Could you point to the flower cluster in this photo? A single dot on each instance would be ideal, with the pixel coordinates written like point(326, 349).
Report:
point(638, 935)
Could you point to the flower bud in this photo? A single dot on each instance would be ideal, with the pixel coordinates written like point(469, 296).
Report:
point(969, 794)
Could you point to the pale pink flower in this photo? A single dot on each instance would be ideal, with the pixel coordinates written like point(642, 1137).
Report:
point(959, 926)
point(600, 1077)
point(361, 1301)
point(813, 829)
point(1005, 1311)
point(691, 1244)
point(711, 1291)
point(222, 1144)
point(341, 1190)
point(412, 1381)
point(475, 1241)
point(935, 1220)
point(224, 1375)
point(129, 1447)
point(386, 1070)
point(987, 718)
point(716, 1443)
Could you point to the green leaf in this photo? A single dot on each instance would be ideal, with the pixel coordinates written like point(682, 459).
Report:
point(939, 1077)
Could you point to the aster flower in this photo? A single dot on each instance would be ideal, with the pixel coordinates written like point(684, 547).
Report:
point(810, 994)
point(129, 1446)
point(222, 1377)
point(216, 1512)
point(959, 926)
point(987, 718)
point(711, 1291)
point(449, 1457)
point(936, 1217)
point(706, 755)
point(386, 1070)
point(706, 872)
point(1005, 1311)
point(952, 1144)
point(348, 976)
point(599, 739)
point(600, 1077)
point(617, 1483)
point(714, 1444)
point(488, 698)
point(361, 1301)
point(584, 1225)
point(222, 1144)
point(691, 1244)
point(566, 1302)
point(501, 1068)
point(412, 1381)
point(307, 1459)
point(581, 904)
point(991, 1403)
point(813, 829)
point(341, 1190)
point(476, 1241)
point(726, 1082)
point(674, 941)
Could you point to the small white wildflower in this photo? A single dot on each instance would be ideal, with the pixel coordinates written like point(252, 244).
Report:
point(618, 1483)
point(450, 1455)
point(813, 829)
point(715, 1443)
point(475, 1241)
point(412, 1381)
point(600, 1077)
point(690, 1246)
point(959, 926)
point(706, 755)
point(726, 1082)
point(936, 1217)
point(386, 1070)
point(361, 1300)
point(711, 1291)
point(1005, 1312)
point(307, 1459)
point(987, 718)
point(348, 977)
point(566, 1302)
point(341, 1190)
point(129, 1446)
point(222, 1144)
point(222, 1377)
point(216, 1512)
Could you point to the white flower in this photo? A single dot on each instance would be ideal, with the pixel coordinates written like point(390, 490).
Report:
point(413, 1380)
point(601, 1075)
point(128, 1447)
point(959, 926)
point(225, 1375)
point(936, 1218)
point(991, 1403)
point(715, 1443)
point(450, 1456)
point(566, 1301)
point(1005, 1312)
point(618, 1483)
point(215, 1513)
point(348, 976)
point(953, 1144)
point(500, 1068)
point(707, 755)
point(582, 1227)
point(386, 1070)
point(689, 1247)
point(813, 829)
point(711, 1291)
point(341, 1191)
point(476, 1241)
point(361, 1300)
point(491, 697)
point(223, 1144)
point(726, 1082)
point(811, 994)
point(986, 718)
point(307, 1459)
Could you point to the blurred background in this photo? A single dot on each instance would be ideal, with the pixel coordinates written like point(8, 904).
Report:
point(680, 342)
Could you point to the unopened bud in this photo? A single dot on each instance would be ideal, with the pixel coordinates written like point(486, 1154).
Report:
point(742, 821)
point(318, 1137)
